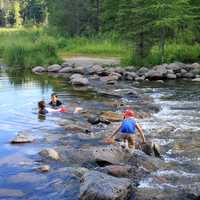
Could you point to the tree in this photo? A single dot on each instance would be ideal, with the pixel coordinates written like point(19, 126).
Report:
point(2, 18)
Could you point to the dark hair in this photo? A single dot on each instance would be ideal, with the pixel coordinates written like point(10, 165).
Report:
point(41, 104)
point(54, 94)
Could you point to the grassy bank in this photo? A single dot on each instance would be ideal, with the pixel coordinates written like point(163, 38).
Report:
point(28, 48)
point(32, 47)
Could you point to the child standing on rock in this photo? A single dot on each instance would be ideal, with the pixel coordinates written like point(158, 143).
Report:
point(127, 130)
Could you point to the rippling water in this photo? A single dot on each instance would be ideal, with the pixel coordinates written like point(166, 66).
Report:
point(20, 93)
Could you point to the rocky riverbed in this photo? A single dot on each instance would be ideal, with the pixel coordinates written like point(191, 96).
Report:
point(71, 161)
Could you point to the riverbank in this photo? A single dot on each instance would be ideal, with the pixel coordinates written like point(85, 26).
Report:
point(41, 46)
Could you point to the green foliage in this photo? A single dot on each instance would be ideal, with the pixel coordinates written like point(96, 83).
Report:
point(28, 49)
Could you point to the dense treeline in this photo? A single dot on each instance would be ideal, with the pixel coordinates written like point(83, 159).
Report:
point(157, 30)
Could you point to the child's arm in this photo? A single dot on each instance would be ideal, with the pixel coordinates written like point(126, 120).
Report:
point(141, 132)
point(115, 131)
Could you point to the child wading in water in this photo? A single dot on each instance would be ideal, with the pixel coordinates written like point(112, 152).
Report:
point(128, 130)
point(43, 110)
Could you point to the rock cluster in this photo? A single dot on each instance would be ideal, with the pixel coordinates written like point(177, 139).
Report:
point(83, 75)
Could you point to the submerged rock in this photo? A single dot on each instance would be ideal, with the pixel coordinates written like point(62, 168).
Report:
point(43, 168)
point(99, 186)
point(10, 193)
point(50, 154)
point(22, 138)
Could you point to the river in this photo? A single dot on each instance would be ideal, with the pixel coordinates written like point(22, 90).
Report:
point(175, 128)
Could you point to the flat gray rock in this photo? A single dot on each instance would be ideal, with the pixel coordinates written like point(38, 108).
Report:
point(99, 186)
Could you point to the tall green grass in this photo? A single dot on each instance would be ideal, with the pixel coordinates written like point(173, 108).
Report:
point(185, 53)
point(36, 46)
point(106, 47)
point(28, 48)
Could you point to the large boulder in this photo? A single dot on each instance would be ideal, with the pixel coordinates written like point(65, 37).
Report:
point(79, 79)
point(80, 82)
point(155, 75)
point(100, 186)
point(54, 68)
point(39, 69)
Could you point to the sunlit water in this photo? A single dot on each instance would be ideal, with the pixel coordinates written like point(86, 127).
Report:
point(20, 93)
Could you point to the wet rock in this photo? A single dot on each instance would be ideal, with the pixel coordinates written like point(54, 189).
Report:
point(150, 149)
point(196, 79)
point(130, 76)
point(81, 81)
point(99, 186)
point(111, 79)
point(22, 138)
point(188, 75)
point(76, 76)
point(142, 71)
point(79, 70)
point(171, 76)
point(94, 77)
point(66, 64)
point(66, 70)
point(175, 67)
point(39, 69)
point(77, 171)
point(111, 116)
point(50, 154)
point(11, 193)
point(160, 81)
point(117, 170)
point(96, 69)
point(108, 155)
point(43, 168)
point(141, 78)
point(94, 120)
point(54, 68)
point(75, 128)
point(183, 71)
point(155, 75)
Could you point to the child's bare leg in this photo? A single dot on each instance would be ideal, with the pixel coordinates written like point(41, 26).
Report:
point(132, 142)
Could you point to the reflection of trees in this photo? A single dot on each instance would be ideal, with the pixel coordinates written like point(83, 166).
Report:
point(19, 77)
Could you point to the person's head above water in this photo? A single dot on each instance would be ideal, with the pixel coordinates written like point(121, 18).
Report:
point(41, 106)
point(54, 100)
point(54, 97)
point(129, 113)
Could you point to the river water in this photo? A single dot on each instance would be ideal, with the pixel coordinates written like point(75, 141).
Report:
point(176, 128)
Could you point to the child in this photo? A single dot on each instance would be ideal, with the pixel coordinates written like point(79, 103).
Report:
point(128, 130)
point(55, 102)
point(43, 110)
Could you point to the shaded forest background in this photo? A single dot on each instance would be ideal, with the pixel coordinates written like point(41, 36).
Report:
point(141, 32)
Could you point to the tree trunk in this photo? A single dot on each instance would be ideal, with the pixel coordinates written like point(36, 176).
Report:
point(162, 44)
point(97, 15)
